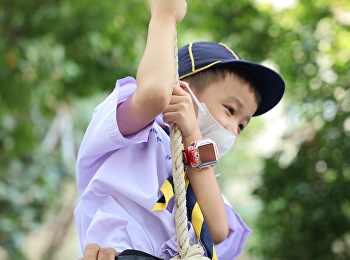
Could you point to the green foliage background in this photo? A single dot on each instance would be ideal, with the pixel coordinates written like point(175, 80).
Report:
point(56, 56)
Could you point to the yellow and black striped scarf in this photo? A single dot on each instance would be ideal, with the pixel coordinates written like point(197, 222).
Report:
point(194, 214)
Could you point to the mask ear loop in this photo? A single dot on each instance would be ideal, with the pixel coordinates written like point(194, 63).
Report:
point(199, 105)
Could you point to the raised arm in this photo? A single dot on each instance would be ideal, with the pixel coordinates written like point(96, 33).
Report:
point(156, 72)
point(203, 182)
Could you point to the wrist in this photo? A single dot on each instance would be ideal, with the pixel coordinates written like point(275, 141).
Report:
point(163, 19)
point(194, 134)
point(201, 154)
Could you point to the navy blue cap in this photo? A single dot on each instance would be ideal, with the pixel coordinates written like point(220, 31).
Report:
point(199, 56)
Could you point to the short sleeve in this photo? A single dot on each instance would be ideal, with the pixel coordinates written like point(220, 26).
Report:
point(233, 245)
point(102, 136)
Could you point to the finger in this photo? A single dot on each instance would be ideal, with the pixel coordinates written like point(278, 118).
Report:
point(177, 105)
point(180, 97)
point(170, 117)
point(184, 85)
point(179, 90)
point(174, 116)
point(107, 254)
point(91, 251)
point(176, 99)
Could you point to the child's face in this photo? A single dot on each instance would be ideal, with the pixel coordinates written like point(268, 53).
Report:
point(230, 102)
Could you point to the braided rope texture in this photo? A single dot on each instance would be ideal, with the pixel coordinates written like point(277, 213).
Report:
point(186, 251)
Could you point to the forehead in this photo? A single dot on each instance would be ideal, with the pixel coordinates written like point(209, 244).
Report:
point(234, 99)
point(237, 85)
point(233, 90)
point(229, 85)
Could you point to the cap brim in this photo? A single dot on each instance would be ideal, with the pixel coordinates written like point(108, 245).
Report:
point(271, 85)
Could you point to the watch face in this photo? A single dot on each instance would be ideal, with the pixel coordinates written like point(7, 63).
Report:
point(207, 153)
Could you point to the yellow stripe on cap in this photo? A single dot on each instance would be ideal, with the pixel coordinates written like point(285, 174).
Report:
point(204, 68)
point(191, 56)
point(233, 53)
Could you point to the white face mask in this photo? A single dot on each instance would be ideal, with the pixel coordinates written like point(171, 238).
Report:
point(210, 128)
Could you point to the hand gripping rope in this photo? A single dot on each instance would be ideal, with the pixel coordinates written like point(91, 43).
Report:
point(186, 251)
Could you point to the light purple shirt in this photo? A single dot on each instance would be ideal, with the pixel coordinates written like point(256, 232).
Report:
point(119, 179)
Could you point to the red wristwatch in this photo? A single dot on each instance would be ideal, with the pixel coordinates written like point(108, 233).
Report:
point(201, 154)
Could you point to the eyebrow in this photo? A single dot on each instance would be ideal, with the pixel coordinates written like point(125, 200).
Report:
point(236, 100)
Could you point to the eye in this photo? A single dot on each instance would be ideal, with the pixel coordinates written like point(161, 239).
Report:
point(230, 110)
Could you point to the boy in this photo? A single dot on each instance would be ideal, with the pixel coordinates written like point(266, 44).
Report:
point(124, 158)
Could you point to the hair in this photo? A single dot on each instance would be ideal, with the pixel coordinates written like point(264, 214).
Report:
point(202, 79)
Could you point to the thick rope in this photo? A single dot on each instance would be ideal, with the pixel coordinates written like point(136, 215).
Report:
point(186, 251)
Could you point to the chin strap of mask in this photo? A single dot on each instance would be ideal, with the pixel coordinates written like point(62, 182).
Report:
point(186, 251)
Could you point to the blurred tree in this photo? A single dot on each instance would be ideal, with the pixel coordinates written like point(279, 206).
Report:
point(56, 53)
point(305, 186)
point(52, 53)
